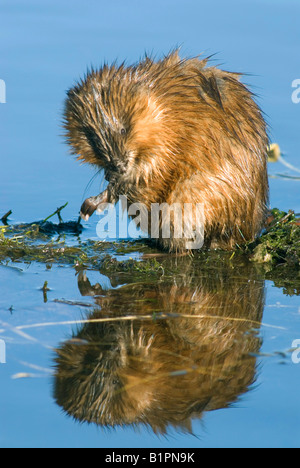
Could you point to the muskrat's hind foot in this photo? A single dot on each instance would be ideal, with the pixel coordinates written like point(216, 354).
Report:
point(90, 205)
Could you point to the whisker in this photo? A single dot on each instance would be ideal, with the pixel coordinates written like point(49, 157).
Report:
point(100, 173)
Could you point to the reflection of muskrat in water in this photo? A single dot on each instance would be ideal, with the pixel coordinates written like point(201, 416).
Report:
point(175, 131)
point(137, 368)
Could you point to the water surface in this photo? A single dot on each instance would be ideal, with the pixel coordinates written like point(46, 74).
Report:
point(206, 355)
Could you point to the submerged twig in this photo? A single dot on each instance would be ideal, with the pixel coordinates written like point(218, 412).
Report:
point(288, 165)
point(45, 290)
point(73, 303)
point(283, 176)
point(57, 212)
point(146, 317)
point(5, 217)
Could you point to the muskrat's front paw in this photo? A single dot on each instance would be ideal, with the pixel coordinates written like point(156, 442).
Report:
point(90, 205)
point(87, 209)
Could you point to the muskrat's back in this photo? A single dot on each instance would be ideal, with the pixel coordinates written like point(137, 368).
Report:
point(175, 131)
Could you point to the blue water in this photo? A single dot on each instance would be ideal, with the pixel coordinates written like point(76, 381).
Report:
point(46, 46)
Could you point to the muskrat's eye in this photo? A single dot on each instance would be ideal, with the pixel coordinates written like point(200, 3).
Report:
point(123, 131)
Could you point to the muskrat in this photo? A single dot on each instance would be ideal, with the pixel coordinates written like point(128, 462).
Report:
point(175, 131)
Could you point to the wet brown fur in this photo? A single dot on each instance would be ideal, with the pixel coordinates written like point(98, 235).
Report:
point(176, 131)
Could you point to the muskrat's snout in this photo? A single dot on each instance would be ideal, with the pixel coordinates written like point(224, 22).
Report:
point(113, 170)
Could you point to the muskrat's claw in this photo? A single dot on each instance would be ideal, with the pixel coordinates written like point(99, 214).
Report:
point(87, 209)
point(90, 205)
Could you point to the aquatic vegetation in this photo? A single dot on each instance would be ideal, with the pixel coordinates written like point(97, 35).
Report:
point(280, 243)
point(276, 252)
